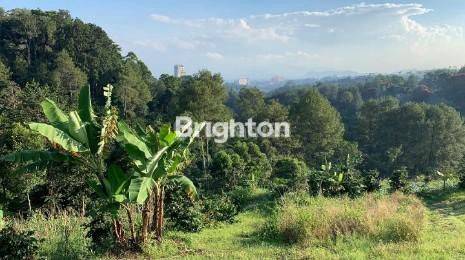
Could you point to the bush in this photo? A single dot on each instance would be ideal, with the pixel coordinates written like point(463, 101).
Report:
point(461, 175)
point(219, 208)
point(289, 174)
point(101, 232)
point(15, 244)
point(371, 180)
point(335, 180)
point(242, 196)
point(303, 220)
point(398, 179)
point(182, 212)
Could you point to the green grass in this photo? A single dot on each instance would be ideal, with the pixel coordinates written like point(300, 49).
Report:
point(61, 237)
point(442, 238)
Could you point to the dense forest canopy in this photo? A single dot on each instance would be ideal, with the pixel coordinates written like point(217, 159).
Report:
point(369, 128)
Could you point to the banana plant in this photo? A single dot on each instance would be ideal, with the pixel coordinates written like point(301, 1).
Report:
point(156, 159)
point(77, 138)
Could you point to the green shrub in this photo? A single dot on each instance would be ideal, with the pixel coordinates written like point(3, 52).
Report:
point(219, 208)
point(16, 244)
point(101, 233)
point(398, 179)
point(289, 174)
point(461, 175)
point(336, 180)
point(182, 212)
point(242, 196)
point(371, 180)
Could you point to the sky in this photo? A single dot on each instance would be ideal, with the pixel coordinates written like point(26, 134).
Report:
point(259, 39)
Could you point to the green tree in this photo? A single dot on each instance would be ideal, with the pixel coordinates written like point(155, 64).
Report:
point(318, 125)
point(166, 94)
point(203, 95)
point(67, 78)
point(133, 89)
point(423, 138)
point(5, 76)
point(251, 104)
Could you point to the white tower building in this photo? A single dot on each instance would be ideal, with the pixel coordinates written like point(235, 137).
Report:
point(179, 70)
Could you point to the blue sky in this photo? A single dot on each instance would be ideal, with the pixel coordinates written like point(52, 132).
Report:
point(262, 38)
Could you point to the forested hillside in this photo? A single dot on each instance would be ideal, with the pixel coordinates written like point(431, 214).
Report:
point(103, 169)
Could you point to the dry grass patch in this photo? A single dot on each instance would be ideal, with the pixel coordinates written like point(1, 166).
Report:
point(394, 218)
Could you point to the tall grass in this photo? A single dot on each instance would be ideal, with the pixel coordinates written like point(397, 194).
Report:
point(303, 220)
point(62, 236)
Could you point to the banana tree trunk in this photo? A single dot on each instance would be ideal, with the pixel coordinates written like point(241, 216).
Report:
point(131, 223)
point(147, 215)
point(118, 231)
point(160, 215)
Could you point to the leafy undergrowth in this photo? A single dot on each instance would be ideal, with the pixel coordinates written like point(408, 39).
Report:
point(62, 237)
point(441, 238)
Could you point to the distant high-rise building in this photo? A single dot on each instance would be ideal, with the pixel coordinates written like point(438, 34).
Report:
point(179, 70)
point(243, 81)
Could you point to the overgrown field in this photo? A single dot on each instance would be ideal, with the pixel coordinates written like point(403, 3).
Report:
point(396, 226)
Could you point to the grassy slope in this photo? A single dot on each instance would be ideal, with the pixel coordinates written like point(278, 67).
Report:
point(442, 238)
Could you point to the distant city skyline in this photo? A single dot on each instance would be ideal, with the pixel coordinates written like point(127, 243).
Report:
point(292, 39)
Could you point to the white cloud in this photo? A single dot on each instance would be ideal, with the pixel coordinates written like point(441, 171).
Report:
point(363, 37)
point(161, 18)
point(214, 55)
point(312, 25)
